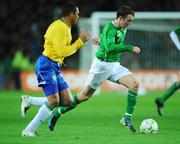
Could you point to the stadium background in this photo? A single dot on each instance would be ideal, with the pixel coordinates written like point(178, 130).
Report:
point(23, 24)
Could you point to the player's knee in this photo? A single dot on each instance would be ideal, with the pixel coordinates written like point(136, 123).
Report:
point(53, 102)
point(135, 86)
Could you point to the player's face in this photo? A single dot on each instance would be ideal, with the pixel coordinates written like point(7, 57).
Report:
point(127, 20)
point(75, 16)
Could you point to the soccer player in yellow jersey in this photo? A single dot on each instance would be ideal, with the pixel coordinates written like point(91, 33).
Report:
point(57, 46)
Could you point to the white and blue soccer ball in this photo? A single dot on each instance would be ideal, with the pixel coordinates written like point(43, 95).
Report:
point(149, 126)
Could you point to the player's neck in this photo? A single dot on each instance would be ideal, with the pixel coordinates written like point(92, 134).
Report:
point(116, 23)
point(66, 21)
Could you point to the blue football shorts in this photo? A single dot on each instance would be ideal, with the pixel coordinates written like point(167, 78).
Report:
point(49, 76)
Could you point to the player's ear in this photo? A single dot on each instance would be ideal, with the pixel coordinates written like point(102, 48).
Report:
point(71, 14)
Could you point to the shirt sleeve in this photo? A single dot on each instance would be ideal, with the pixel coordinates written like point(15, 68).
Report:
point(175, 39)
point(177, 31)
point(60, 43)
point(111, 46)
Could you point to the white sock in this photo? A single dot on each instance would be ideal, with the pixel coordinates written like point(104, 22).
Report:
point(37, 100)
point(42, 114)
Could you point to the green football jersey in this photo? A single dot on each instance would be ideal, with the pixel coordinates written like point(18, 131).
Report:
point(112, 43)
point(177, 31)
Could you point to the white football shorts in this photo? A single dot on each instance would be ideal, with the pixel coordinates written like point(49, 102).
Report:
point(101, 71)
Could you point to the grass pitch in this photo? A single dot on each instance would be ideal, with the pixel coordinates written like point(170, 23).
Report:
point(93, 122)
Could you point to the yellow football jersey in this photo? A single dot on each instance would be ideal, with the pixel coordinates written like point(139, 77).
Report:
point(57, 43)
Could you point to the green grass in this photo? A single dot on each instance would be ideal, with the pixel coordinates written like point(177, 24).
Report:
point(93, 122)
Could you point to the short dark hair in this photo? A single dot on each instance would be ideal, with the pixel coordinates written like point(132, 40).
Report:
point(124, 11)
point(67, 8)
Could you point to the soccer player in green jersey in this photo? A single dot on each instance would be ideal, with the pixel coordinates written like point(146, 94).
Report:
point(176, 85)
point(106, 66)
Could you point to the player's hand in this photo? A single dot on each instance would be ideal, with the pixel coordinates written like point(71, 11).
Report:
point(136, 49)
point(95, 41)
point(84, 36)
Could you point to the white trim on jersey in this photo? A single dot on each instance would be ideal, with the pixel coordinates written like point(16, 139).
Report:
point(175, 39)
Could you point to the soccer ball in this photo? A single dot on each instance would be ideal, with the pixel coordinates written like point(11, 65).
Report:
point(149, 126)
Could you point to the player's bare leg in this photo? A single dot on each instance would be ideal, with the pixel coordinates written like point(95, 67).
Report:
point(130, 83)
point(67, 102)
point(83, 96)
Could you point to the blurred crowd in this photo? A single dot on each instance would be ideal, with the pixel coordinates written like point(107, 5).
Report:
point(23, 24)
